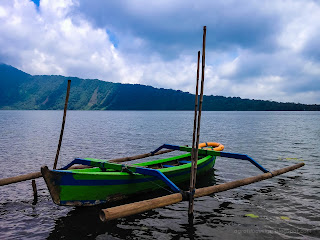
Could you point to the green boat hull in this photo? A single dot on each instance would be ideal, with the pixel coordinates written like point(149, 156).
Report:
point(91, 186)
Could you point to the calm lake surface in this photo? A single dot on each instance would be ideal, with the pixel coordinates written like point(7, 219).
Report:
point(284, 207)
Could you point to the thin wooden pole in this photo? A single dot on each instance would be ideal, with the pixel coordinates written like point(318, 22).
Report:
point(63, 123)
point(143, 206)
point(194, 169)
point(194, 151)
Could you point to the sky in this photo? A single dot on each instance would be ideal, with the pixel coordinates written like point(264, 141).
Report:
point(256, 49)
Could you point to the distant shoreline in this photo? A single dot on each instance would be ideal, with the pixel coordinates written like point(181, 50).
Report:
point(132, 110)
point(22, 91)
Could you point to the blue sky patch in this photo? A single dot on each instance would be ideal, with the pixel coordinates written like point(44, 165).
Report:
point(113, 38)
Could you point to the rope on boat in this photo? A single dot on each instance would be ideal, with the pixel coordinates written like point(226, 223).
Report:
point(127, 170)
point(153, 181)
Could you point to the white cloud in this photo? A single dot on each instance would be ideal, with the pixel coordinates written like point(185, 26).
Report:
point(228, 68)
point(312, 68)
point(302, 20)
point(261, 49)
point(3, 12)
point(54, 41)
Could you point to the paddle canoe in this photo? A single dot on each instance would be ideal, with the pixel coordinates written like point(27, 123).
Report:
point(107, 182)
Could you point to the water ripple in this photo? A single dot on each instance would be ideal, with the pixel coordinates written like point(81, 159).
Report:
point(287, 207)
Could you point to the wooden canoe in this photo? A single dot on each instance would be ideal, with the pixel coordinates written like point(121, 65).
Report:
point(107, 182)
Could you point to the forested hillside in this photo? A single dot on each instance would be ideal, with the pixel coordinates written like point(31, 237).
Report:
point(19, 90)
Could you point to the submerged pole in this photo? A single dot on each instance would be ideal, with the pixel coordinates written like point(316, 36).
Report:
point(63, 123)
point(195, 160)
point(35, 192)
point(143, 206)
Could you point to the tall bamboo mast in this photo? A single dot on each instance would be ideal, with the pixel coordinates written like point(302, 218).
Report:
point(195, 155)
point(194, 149)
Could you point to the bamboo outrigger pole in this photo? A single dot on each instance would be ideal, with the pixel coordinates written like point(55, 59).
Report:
point(143, 206)
point(34, 175)
point(20, 178)
point(63, 123)
point(196, 128)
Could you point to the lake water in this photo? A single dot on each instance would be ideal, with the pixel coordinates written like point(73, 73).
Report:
point(284, 207)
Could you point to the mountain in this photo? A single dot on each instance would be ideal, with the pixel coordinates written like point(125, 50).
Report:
point(10, 81)
point(19, 90)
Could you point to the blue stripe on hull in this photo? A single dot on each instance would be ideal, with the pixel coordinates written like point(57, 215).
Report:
point(116, 182)
point(68, 179)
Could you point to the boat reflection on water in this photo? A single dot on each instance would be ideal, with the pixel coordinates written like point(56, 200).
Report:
point(84, 222)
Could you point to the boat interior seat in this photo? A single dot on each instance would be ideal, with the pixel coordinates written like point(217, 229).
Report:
point(185, 161)
point(167, 166)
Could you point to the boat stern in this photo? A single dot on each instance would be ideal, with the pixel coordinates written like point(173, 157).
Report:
point(51, 179)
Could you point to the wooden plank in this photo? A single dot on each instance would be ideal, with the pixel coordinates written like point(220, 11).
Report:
point(126, 159)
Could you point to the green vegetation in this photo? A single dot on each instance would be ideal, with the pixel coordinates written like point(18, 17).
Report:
point(19, 90)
